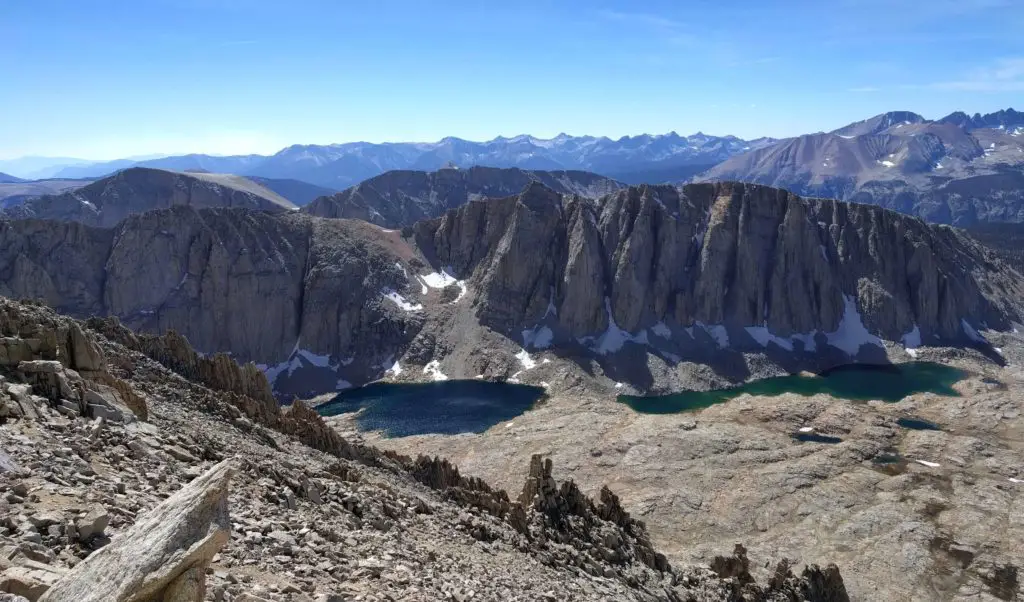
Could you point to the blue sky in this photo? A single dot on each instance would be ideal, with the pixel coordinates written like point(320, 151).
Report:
point(102, 79)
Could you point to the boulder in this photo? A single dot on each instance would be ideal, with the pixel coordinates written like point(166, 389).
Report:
point(92, 524)
point(40, 367)
point(164, 555)
point(29, 579)
point(102, 401)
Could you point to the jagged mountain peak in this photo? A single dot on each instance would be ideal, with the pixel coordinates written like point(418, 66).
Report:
point(1005, 119)
point(880, 123)
point(958, 169)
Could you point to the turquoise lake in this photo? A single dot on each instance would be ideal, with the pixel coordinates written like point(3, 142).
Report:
point(858, 382)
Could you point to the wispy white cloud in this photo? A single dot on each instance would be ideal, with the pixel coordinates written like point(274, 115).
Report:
point(1004, 75)
point(643, 19)
point(864, 89)
point(667, 29)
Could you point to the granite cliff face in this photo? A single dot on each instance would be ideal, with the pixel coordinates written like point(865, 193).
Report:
point(402, 198)
point(703, 273)
point(736, 258)
point(107, 201)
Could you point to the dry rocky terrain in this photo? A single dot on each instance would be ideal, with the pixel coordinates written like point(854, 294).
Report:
point(908, 514)
point(128, 461)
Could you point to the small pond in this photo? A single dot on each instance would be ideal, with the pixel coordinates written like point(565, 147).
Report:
point(918, 424)
point(858, 382)
point(445, 408)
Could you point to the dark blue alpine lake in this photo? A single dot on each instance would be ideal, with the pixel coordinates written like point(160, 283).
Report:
point(445, 408)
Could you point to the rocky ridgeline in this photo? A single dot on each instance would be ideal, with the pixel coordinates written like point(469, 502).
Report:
point(131, 509)
point(727, 254)
point(701, 273)
point(401, 198)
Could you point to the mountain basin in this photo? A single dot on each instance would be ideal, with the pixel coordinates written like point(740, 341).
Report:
point(856, 382)
point(446, 408)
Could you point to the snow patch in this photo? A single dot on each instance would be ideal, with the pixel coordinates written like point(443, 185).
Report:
point(1013, 480)
point(912, 339)
point(911, 352)
point(538, 337)
point(434, 370)
point(440, 279)
point(927, 463)
point(717, 332)
point(402, 269)
point(851, 333)
point(342, 384)
point(763, 336)
point(462, 290)
point(971, 333)
point(320, 361)
point(806, 429)
point(887, 163)
point(613, 338)
point(662, 330)
point(400, 301)
point(395, 369)
point(551, 310)
point(525, 359)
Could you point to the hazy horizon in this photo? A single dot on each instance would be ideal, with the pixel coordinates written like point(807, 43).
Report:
point(104, 80)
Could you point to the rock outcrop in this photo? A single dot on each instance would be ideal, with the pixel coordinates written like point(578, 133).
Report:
point(107, 201)
point(163, 556)
point(60, 365)
point(700, 273)
point(396, 199)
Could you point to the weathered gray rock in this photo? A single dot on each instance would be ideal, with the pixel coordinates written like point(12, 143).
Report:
point(92, 524)
point(29, 579)
point(688, 270)
point(164, 553)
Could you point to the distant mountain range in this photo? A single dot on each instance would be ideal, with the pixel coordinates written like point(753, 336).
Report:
point(8, 179)
point(631, 159)
point(16, 192)
point(957, 170)
point(403, 197)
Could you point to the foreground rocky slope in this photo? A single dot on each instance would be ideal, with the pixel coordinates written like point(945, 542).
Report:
point(956, 170)
point(704, 273)
point(310, 513)
point(106, 202)
point(402, 198)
